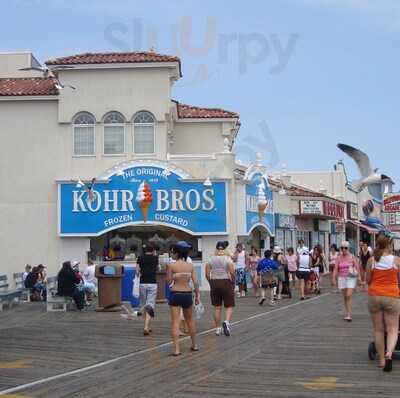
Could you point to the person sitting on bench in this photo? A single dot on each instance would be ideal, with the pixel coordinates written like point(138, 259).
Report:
point(67, 281)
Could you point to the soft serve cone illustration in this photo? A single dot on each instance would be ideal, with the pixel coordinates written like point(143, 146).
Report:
point(144, 198)
point(261, 200)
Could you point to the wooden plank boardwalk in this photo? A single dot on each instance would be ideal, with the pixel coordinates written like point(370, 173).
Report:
point(297, 349)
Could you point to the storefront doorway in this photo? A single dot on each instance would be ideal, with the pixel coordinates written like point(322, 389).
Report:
point(259, 238)
point(126, 243)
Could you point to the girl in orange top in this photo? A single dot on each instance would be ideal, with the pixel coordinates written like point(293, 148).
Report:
point(383, 278)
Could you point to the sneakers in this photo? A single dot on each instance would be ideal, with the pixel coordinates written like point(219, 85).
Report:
point(261, 302)
point(272, 303)
point(243, 294)
point(279, 297)
point(239, 294)
point(226, 328)
point(218, 331)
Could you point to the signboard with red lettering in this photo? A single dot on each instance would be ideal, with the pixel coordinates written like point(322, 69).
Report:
point(335, 210)
point(391, 202)
point(322, 208)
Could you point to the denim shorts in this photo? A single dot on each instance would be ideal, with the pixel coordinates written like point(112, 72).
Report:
point(181, 299)
point(148, 294)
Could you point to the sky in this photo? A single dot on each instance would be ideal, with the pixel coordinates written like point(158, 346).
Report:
point(303, 74)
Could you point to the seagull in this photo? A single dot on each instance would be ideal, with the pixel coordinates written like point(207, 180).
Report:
point(92, 197)
point(48, 73)
point(369, 176)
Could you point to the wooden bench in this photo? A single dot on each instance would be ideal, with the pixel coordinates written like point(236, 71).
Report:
point(55, 303)
point(20, 284)
point(8, 296)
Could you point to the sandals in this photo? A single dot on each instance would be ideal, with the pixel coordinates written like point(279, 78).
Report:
point(348, 319)
point(176, 354)
point(194, 349)
point(388, 365)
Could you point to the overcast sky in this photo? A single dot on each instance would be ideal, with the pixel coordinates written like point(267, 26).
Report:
point(303, 74)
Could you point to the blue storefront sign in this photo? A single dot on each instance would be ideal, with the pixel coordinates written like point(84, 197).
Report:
point(143, 194)
point(258, 191)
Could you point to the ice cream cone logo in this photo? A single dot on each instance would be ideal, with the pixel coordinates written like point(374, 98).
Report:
point(144, 198)
point(261, 202)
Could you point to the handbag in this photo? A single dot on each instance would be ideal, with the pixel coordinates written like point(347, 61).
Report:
point(135, 286)
point(353, 271)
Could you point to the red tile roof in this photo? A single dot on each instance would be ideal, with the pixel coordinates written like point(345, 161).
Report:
point(113, 58)
point(296, 190)
point(27, 86)
point(196, 112)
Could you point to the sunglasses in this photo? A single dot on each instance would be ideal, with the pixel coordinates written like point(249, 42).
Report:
point(344, 248)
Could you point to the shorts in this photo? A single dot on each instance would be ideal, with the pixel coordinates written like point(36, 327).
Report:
point(303, 275)
point(240, 276)
point(316, 271)
point(267, 280)
point(180, 299)
point(280, 275)
point(89, 287)
point(346, 282)
point(253, 274)
point(222, 291)
point(389, 305)
point(148, 294)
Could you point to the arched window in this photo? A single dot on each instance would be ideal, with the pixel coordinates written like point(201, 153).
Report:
point(84, 134)
point(143, 141)
point(114, 134)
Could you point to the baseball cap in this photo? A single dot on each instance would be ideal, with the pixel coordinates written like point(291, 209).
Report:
point(277, 250)
point(220, 245)
point(183, 244)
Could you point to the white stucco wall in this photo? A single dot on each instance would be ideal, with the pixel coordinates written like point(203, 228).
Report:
point(31, 160)
point(197, 138)
point(125, 90)
point(11, 64)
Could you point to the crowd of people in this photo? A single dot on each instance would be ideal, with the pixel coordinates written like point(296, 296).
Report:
point(271, 277)
point(71, 282)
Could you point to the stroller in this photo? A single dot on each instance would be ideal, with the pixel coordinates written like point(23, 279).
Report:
point(372, 352)
point(314, 281)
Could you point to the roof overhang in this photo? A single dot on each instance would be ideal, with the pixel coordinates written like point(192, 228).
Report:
point(29, 98)
point(121, 65)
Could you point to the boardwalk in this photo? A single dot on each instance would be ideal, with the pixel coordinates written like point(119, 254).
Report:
point(298, 349)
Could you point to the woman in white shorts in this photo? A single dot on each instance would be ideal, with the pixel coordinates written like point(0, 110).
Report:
point(348, 271)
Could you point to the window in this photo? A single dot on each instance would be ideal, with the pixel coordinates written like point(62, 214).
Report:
point(84, 132)
point(114, 134)
point(143, 140)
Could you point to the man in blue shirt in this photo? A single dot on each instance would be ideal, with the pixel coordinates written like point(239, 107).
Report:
point(266, 270)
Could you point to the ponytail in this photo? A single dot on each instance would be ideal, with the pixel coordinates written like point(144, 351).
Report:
point(382, 243)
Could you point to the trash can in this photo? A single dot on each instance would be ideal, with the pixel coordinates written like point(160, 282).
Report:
point(127, 286)
point(109, 279)
point(161, 287)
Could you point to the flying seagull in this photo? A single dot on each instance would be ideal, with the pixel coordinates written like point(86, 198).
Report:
point(89, 188)
point(369, 176)
point(48, 73)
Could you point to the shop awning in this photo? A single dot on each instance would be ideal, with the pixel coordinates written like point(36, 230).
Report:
point(353, 222)
point(369, 229)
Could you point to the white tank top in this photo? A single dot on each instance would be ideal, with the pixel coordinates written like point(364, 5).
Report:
point(304, 263)
point(385, 263)
point(241, 260)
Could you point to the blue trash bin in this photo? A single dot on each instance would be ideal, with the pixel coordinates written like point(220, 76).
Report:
point(127, 286)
